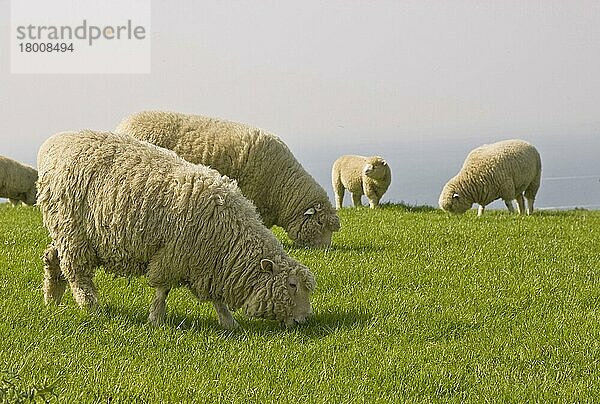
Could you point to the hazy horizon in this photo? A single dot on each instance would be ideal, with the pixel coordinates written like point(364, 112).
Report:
point(418, 83)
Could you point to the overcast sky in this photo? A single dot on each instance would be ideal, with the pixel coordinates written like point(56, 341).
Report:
point(328, 72)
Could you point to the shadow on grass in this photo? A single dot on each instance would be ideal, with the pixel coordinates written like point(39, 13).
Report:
point(450, 329)
point(405, 207)
point(178, 321)
point(123, 313)
point(318, 326)
point(560, 213)
point(336, 247)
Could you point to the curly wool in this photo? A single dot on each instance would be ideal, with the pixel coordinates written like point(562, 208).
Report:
point(137, 209)
point(509, 170)
point(266, 171)
point(370, 176)
point(17, 181)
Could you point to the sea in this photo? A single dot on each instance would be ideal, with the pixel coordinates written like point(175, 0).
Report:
point(421, 164)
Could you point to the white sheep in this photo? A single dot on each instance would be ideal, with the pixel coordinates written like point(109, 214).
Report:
point(17, 181)
point(137, 209)
point(508, 169)
point(370, 176)
point(266, 171)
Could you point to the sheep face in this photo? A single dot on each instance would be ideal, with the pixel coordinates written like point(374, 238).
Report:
point(316, 227)
point(284, 295)
point(453, 200)
point(30, 197)
point(375, 168)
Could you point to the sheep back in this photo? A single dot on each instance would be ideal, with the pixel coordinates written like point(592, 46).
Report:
point(266, 170)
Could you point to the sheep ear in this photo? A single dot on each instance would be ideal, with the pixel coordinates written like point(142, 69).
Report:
point(267, 266)
point(310, 211)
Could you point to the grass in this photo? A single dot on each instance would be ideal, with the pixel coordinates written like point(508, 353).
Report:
point(412, 305)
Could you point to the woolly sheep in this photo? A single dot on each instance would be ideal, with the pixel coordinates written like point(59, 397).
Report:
point(506, 169)
point(137, 209)
point(370, 176)
point(266, 171)
point(17, 181)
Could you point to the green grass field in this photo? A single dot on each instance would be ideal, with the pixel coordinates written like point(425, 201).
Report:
point(412, 305)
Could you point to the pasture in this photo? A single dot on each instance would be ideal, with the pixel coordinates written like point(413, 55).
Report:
point(411, 305)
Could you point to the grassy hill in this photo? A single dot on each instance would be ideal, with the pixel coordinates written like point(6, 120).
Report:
point(411, 305)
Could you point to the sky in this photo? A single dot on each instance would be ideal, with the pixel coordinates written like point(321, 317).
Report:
point(418, 82)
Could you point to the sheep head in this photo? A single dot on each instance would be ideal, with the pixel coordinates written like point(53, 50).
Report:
point(30, 197)
point(316, 226)
point(284, 292)
point(376, 168)
point(453, 199)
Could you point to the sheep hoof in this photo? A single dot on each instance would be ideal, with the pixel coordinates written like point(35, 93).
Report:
point(156, 320)
point(85, 298)
point(229, 325)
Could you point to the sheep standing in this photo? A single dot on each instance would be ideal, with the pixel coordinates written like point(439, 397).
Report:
point(17, 181)
point(266, 171)
point(370, 176)
point(137, 209)
point(508, 169)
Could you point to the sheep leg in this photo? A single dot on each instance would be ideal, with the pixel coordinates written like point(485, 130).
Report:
point(84, 291)
point(225, 318)
point(79, 273)
point(480, 210)
point(373, 200)
point(339, 191)
point(356, 199)
point(13, 202)
point(158, 306)
point(530, 205)
point(531, 191)
point(55, 283)
point(339, 198)
point(509, 205)
point(520, 204)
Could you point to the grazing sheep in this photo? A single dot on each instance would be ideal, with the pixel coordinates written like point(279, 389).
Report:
point(266, 171)
point(506, 170)
point(137, 209)
point(370, 176)
point(17, 181)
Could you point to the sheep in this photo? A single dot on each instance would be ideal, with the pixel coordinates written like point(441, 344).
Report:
point(137, 209)
point(17, 181)
point(266, 170)
point(508, 169)
point(370, 176)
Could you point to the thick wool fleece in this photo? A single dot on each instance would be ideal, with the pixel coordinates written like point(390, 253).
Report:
point(266, 170)
point(17, 181)
point(137, 209)
point(508, 169)
point(370, 176)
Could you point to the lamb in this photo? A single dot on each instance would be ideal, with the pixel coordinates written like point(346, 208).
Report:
point(137, 209)
point(266, 170)
point(508, 169)
point(370, 176)
point(17, 181)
